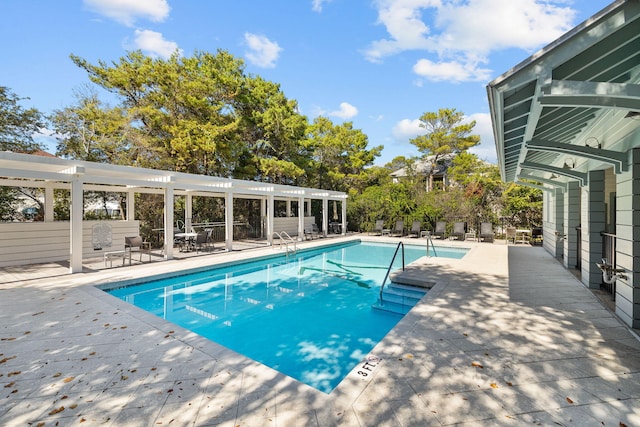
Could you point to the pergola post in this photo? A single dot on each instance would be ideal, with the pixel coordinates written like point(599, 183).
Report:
point(228, 215)
point(270, 207)
point(49, 202)
point(168, 222)
point(301, 218)
point(344, 217)
point(77, 207)
point(131, 205)
point(263, 216)
point(188, 213)
point(325, 217)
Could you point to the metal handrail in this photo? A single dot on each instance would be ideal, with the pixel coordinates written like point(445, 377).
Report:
point(400, 244)
point(286, 239)
point(429, 241)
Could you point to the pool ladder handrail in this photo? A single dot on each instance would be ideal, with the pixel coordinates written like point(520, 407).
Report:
point(285, 239)
point(400, 245)
point(429, 241)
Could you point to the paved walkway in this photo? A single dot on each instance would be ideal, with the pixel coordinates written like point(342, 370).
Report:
point(506, 337)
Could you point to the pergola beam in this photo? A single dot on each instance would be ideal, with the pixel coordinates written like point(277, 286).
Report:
point(579, 176)
point(561, 185)
point(617, 159)
point(570, 93)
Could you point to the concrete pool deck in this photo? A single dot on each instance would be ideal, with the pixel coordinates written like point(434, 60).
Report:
point(507, 336)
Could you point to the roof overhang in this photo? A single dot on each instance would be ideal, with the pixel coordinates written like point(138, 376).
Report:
point(574, 106)
point(34, 171)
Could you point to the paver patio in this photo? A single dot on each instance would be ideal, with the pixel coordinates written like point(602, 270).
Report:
point(506, 337)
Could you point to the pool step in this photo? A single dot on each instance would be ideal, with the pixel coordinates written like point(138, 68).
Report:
point(398, 298)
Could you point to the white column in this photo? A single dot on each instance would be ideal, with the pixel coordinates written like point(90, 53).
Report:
point(131, 205)
point(325, 217)
point(188, 212)
point(168, 222)
point(263, 216)
point(228, 215)
point(301, 219)
point(77, 207)
point(308, 207)
point(288, 208)
point(49, 202)
point(344, 216)
point(270, 208)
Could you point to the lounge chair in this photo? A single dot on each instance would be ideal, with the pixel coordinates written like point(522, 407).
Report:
point(379, 227)
point(486, 232)
point(440, 230)
point(398, 229)
point(133, 242)
point(310, 231)
point(459, 230)
point(510, 233)
point(416, 229)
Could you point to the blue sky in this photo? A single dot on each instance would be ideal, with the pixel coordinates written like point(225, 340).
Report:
point(377, 63)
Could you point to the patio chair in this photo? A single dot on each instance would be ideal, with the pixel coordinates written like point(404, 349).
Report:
point(416, 229)
point(536, 235)
point(377, 229)
point(201, 241)
point(486, 232)
point(133, 242)
point(459, 230)
point(441, 227)
point(210, 243)
point(510, 234)
point(398, 229)
point(310, 231)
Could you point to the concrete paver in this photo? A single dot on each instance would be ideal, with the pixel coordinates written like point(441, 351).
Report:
point(506, 336)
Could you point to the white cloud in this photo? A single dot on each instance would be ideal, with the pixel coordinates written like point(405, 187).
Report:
point(407, 129)
point(460, 34)
point(154, 43)
point(127, 11)
point(316, 5)
point(262, 51)
point(346, 111)
point(486, 150)
point(450, 71)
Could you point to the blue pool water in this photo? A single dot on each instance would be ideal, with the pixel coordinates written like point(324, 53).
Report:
point(308, 316)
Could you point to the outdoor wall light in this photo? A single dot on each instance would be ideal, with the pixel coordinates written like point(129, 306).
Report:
point(592, 142)
point(569, 163)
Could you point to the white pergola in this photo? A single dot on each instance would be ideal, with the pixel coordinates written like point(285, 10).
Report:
point(25, 170)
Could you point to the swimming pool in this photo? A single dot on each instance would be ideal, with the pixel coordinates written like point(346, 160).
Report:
point(308, 316)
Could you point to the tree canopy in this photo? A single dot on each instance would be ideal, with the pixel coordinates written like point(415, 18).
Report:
point(445, 134)
point(17, 124)
point(203, 114)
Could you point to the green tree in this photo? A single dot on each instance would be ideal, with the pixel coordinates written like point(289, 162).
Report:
point(338, 153)
point(17, 124)
point(92, 131)
point(185, 109)
point(522, 205)
point(272, 130)
point(17, 127)
point(445, 134)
